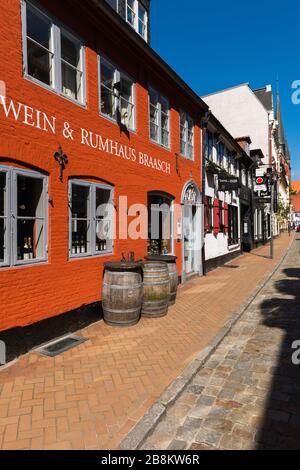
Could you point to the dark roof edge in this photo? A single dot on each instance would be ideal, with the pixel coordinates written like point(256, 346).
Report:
point(151, 54)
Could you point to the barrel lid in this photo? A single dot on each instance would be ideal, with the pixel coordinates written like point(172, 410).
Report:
point(165, 258)
point(122, 266)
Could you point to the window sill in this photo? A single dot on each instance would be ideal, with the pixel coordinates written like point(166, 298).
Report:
point(168, 149)
point(90, 256)
point(113, 121)
point(31, 264)
point(54, 91)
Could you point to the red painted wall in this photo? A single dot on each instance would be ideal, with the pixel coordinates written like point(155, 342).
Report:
point(32, 293)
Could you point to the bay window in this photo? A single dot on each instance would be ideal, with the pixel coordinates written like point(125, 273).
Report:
point(52, 56)
point(23, 217)
point(91, 219)
point(117, 95)
point(209, 144)
point(186, 136)
point(137, 17)
point(159, 117)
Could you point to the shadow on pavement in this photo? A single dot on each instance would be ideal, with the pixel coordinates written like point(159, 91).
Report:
point(281, 424)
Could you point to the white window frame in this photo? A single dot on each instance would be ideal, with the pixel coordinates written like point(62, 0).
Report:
point(92, 217)
point(12, 174)
point(137, 20)
point(57, 28)
point(187, 118)
point(159, 109)
point(118, 74)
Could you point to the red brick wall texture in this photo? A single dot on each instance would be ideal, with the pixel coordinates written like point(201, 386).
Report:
point(31, 293)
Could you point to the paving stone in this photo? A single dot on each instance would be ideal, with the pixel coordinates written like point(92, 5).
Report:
point(177, 445)
point(207, 436)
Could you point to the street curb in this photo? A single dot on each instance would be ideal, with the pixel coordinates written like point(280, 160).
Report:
point(136, 437)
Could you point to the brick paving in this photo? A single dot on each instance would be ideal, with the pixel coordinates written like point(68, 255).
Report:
point(247, 395)
point(91, 397)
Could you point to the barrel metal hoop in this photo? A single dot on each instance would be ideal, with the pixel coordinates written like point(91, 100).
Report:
point(133, 286)
point(161, 283)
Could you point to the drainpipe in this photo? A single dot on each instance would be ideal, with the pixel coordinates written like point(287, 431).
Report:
point(204, 125)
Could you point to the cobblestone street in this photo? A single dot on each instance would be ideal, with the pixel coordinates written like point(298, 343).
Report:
point(247, 395)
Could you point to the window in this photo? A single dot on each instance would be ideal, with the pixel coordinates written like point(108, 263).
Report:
point(233, 230)
point(220, 153)
point(209, 146)
point(221, 217)
point(71, 68)
point(208, 214)
point(160, 224)
point(159, 119)
point(117, 95)
point(137, 17)
point(52, 56)
point(23, 217)
point(186, 136)
point(91, 219)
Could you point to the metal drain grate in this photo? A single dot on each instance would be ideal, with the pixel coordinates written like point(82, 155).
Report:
point(59, 346)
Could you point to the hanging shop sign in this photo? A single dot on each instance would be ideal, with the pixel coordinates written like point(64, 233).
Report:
point(38, 119)
point(228, 184)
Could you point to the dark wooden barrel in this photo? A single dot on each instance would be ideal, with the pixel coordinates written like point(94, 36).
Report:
point(156, 289)
point(171, 261)
point(122, 294)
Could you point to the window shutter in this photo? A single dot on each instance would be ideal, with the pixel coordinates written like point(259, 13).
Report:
point(216, 217)
point(206, 202)
point(226, 226)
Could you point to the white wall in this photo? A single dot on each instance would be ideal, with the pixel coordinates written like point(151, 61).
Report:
point(241, 112)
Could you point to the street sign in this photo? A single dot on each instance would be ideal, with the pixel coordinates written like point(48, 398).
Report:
point(262, 187)
point(259, 172)
point(228, 184)
point(262, 200)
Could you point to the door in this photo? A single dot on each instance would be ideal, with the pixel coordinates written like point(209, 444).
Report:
point(189, 236)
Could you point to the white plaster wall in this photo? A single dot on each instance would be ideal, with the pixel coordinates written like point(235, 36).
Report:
point(242, 114)
point(216, 246)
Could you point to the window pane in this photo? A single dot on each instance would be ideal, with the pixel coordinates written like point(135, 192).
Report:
point(2, 194)
point(130, 12)
point(126, 103)
point(153, 97)
point(80, 236)
point(71, 82)
point(30, 239)
point(39, 63)
point(70, 51)
point(164, 106)
point(107, 95)
point(104, 220)
point(38, 28)
point(30, 200)
point(3, 248)
point(107, 74)
point(80, 201)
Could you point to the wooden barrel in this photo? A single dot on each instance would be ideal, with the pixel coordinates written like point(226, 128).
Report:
point(122, 295)
point(171, 261)
point(156, 289)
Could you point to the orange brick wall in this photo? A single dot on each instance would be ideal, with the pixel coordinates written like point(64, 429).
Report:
point(32, 293)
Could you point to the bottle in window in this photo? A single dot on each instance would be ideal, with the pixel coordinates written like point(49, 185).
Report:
point(74, 247)
point(77, 245)
point(25, 249)
point(104, 245)
point(30, 251)
point(82, 246)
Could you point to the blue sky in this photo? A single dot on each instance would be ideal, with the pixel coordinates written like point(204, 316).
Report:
point(219, 44)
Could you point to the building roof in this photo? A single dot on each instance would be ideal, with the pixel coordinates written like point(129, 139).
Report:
point(296, 186)
point(265, 96)
point(295, 201)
